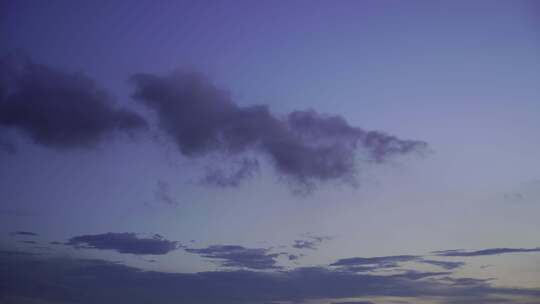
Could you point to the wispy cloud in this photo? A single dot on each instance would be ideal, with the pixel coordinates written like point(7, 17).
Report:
point(360, 264)
point(444, 264)
point(384, 261)
point(490, 251)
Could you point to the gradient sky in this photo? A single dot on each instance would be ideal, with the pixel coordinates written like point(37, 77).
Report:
point(456, 81)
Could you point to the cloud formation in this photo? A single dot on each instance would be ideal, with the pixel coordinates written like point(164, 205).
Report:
point(312, 242)
point(59, 109)
point(125, 243)
point(444, 264)
point(379, 262)
point(64, 280)
point(304, 146)
point(490, 251)
point(359, 264)
point(24, 233)
point(238, 256)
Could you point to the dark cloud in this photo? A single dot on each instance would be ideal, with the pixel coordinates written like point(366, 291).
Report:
point(417, 275)
point(364, 268)
point(359, 264)
point(379, 262)
point(58, 109)
point(491, 251)
point(293, 257)
point(312, 242)
point(304, 146)
point(238, 256)
point(56, 243)
point(63, 280)
point(443, 264)
point(305, 244)
point(125, 243)
point(24, 233)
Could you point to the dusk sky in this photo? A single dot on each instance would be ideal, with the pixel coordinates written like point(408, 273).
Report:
point(257, 152)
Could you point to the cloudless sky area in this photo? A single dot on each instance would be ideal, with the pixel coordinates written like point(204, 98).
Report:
point(360, 152)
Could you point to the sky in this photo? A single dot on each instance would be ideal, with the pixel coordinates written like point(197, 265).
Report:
point(319, 152)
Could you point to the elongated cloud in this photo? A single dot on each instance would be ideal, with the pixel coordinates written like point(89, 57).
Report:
point(304, 146)
point(444, 264)
point(491, 251)
point(386, 261)
point(59, 109)
point(238, 256)
point(360, 264)
point(24, 233)
point(64, 280)
point(124, 243)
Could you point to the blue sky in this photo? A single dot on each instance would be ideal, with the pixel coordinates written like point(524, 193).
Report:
point(250, 142)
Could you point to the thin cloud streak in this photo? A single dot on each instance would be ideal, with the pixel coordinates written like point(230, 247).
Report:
point(490, 251)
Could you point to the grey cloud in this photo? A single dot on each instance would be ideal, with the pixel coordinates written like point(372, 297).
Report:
point(24, 233)
point(417, 275)
point(58, 109)
point(304, 146)
point(312, 242)
point(238, 256)
point(64, 280)
point(304, 244)
point(125, 243)
point(385, 261)
point(359, 264)
point(350, 268)
point(443, 264)
point(491, 251)
point(293, 257)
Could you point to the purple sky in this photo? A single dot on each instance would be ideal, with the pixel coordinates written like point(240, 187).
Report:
point(269, 152)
